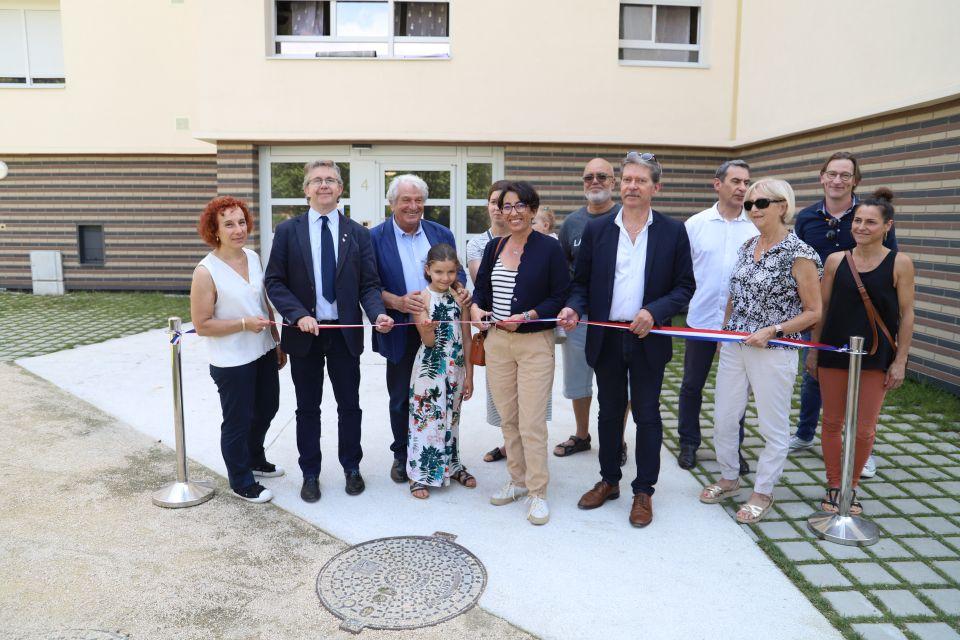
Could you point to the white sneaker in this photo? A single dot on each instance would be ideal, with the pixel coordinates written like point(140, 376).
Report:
point(539, 513)
point(507, 494)
point(254, 493)
point(267, 470)
point(869, 468)
point(796, 444)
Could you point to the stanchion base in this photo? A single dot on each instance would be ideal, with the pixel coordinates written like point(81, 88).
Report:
point(183, 494)
point(848, 530)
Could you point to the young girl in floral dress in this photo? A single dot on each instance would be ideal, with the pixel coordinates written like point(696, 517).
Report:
point(442, 378)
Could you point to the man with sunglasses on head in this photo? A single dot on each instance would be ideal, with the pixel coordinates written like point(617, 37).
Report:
point(716, 234)
point(632, 268)
point(826, 226)
point(598, 184)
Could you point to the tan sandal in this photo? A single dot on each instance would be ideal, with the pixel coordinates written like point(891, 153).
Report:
point(419, 491)
point(752, 513)
point(714, 493)
point(465, 478)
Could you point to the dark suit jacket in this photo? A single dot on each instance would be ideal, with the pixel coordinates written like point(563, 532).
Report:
point(392, 345)
point(542, 284)
point(290, 285)
point(668, 280)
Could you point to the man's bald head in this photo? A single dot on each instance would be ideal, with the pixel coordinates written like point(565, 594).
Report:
point(598, 182)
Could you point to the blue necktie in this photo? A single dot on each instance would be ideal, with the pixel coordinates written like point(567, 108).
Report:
point(328, 263)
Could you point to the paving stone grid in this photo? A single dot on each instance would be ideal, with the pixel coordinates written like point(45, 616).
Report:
point(905, 586)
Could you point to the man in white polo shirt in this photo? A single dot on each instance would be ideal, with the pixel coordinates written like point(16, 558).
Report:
point(715, 236)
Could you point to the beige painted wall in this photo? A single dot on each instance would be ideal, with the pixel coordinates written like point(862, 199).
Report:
point(521, 71)
point(810, 63)
point(129, 76)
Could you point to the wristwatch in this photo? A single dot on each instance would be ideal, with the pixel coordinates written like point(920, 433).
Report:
point(779, 331)
point(526, 316)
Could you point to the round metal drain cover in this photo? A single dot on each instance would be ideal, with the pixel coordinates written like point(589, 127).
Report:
point(401, 583)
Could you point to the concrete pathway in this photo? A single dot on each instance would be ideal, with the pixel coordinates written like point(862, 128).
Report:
point(692, 574)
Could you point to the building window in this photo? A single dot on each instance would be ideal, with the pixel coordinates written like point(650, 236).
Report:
point(31, 48)
point(362, 29)
point(90, 241)
point(663, 34)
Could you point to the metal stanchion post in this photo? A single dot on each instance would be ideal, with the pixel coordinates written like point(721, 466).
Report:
point(181, 493)
point(842, 527)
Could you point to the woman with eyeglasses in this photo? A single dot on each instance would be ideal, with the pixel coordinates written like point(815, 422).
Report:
point(523, 277)
point(888, 279)
point(774, 293)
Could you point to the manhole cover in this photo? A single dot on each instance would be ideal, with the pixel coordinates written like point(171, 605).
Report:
point(401, 583)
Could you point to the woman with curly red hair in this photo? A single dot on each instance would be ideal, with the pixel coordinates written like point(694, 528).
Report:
point(229, 308)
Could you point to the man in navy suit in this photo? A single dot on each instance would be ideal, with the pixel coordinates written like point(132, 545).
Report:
point(633, 267)
point(321, 271)
point(400, 245)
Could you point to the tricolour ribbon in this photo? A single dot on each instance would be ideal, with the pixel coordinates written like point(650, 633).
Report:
point(686, 333)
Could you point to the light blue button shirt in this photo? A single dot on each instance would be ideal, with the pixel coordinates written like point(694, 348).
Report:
point(413, 249)
point(325, 310)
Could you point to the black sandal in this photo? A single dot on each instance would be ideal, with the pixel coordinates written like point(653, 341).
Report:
point(494, 455)
point(831, 502)
point(578, 445)
point(463, 477)
point(416, 486)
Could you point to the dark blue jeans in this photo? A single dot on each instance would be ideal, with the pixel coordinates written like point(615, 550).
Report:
point(623, 361)
point(327, 349)
point(249, 398)
point(697, 360)
point(810, 402)
point(398, 388)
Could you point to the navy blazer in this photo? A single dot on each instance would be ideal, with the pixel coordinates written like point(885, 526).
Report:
point(542, 284)
point(668, 280)
point(390, 269)
point(291, 289)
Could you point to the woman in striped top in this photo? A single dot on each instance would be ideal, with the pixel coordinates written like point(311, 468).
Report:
point(523, 277)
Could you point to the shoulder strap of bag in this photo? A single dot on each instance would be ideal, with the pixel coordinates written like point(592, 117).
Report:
point(872, 316)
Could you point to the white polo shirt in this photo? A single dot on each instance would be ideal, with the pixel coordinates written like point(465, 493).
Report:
point(628, 280)
point(714, 242)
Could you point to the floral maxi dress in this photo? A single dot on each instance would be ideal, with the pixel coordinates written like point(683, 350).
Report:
point(436, 392)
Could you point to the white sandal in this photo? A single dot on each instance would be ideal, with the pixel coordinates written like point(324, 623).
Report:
point(714, 493)
point(752, 513)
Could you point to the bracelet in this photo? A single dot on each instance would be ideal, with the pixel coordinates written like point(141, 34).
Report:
point(243, 324)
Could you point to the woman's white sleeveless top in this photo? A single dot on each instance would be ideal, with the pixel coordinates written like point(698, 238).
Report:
point(237, 298)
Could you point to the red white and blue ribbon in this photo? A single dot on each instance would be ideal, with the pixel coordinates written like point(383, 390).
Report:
point(685, 333)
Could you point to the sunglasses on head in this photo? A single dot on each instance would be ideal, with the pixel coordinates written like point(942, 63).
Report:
point(760, 203)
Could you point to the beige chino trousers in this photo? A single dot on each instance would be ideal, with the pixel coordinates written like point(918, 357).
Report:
point(520, 368)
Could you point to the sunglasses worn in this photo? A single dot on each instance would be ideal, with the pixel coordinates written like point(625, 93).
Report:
point(760, 203)
point(599, 177)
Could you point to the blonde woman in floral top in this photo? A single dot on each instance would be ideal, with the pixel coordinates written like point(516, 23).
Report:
point(774, 293)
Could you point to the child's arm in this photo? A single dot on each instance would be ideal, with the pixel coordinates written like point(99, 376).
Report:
point(425, 326)
point(466, 332)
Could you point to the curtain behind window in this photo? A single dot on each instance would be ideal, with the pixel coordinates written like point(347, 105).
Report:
point(422, 19)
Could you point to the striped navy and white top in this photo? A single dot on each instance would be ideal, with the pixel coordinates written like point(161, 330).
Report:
point(502, 282)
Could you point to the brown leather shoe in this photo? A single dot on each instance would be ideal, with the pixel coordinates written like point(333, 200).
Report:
point(601, 492)
point(641, 513)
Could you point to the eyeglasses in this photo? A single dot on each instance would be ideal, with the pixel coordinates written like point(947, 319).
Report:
point(645, 157)
point(520, 207)
point(599, 177)
point(833, 223)
point(833, 175)
point(760, 203)
point(316, 182)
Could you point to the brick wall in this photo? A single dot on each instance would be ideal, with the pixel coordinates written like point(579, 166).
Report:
point(148, 206)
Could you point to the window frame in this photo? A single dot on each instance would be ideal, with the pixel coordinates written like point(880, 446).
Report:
point(81, 245)
point(391, 40)
point(653, 45)
point(30, 84)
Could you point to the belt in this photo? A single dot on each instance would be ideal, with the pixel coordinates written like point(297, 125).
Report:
point(328, 322)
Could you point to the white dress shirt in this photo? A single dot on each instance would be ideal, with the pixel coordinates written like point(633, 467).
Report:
point(714, 242)
point(630, 273)
point(325, 310)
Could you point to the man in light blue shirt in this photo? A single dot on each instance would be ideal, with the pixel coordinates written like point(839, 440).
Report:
point(400, 245)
